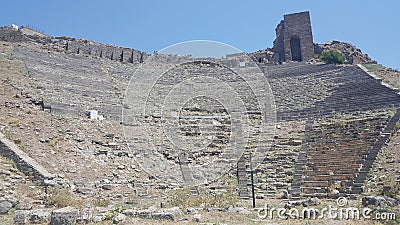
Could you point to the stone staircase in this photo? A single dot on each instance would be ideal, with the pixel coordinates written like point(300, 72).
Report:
point(340, 153)
point(243, 179)
point(300, 163)
point(358, 183)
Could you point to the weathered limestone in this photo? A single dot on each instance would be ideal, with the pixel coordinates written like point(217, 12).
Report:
point(294, 40)
point(340, 152)
point(304, 91)
point(64, 216)
point(72, 45)
point(125, 55)
point(5, 206)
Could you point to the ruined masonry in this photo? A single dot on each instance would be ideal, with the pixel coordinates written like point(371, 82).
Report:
point(333, 119)
point(294, 40)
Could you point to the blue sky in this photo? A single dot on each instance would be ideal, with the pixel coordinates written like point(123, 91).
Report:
point(246, 25)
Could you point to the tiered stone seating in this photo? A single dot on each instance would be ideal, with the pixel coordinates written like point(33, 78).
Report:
point(277, 172)
point(306, 91)
point(71, 84)
point(337, 151)
point(331, 153)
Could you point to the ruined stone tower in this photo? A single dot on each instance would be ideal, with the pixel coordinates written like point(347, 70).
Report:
point(294, 40)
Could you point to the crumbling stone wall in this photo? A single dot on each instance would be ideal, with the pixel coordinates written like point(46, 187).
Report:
point(111, 52)
point(72, 45)
point(294, 40)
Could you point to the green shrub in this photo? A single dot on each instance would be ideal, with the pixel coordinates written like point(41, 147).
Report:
point(332, 56)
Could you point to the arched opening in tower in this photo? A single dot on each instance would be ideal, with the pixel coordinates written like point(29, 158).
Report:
point(295, 49)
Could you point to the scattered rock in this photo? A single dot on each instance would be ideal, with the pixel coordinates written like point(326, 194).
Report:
point(85, 191)
point(107, 186)
point(296, 142)
point(241, 210)
point(39, 216)
point(5, 206)
point(290, 204)
point(119, 218)
point(192, 210)
point(21, 217)
point(147, 212)
point(121, 167)
point(173, 210)
point(163, 216)
point(129, 212)
point(311, 202)
point(86, 216)
point(285, 194)
point(379, 201)
point(196, 218)
point(152, 209)
point(260, 196)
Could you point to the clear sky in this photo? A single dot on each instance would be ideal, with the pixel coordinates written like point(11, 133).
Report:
point(371, 25)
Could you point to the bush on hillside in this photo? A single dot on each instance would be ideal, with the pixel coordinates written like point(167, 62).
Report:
point(332, 56)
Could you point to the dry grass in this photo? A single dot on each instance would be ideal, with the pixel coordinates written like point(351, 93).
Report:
point(389, 76)
point(397, 126)
point(60, 198)
point(206, 199)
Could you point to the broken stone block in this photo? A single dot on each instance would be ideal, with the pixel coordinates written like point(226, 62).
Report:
point(93, 114)
point(21, 217)
point(296, 142)
point(163, 216)
point(39, 216)
point(67, 215)
point(119, 218)
point(196, 218)
point(106, 187)
point(285, 194)
point(5, 206)
point(311, 202)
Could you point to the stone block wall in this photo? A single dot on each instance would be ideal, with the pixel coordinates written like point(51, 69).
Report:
point(114, 53)
point(22, 161)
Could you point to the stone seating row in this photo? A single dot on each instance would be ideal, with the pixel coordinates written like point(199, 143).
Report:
point(338, 153)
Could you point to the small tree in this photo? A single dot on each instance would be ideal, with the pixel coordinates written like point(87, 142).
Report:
point(332, 56)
